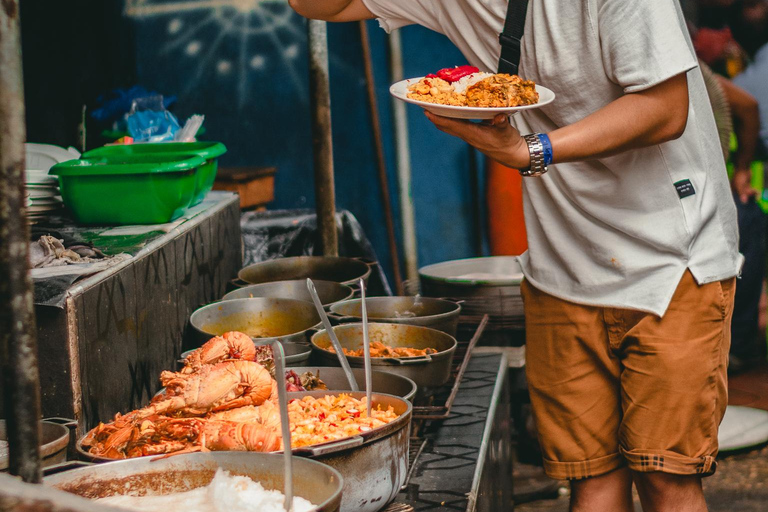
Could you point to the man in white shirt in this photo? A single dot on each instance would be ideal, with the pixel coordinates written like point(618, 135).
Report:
point(633, 245)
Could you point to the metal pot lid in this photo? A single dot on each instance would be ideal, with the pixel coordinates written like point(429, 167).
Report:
point(490, 271)
point(325, 268)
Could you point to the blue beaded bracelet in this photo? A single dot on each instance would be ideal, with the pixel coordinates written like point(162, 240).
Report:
point(547, 145)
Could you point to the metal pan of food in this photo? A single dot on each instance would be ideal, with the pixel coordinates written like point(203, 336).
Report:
point(373, 461)
point(440, 314)
point(374, 464)
point(334, 379)
point(323, 268)
point(263, 319)
point(53, 442)
point(429, 370)
point(329, 292)
point(312, 480)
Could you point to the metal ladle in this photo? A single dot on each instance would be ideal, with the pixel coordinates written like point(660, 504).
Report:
point(285, 423)
point(332, 335)
point(366, 349)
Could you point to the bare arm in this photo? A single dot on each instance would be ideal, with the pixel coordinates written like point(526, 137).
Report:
point(635, 120)
point(332, 10)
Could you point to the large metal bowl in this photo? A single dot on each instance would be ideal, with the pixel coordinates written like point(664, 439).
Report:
point(53, 444)
point(265, 320)
point(323, 268)
point(312, 480)
point(439, 314)
point(382, 382)
point(426, 371)
point(329, 292)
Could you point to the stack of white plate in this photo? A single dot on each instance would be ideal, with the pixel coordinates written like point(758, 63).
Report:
point(44, 198)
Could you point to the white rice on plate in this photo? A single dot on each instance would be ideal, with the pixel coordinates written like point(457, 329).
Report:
point(461, 84)
point(225, 493)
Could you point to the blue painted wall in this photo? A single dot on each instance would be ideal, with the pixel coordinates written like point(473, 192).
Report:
point(246, 69)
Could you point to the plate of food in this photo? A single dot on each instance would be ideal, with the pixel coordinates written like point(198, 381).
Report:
point(464, 92)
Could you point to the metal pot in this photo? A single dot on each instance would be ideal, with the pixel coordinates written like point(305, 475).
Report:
point(312, 480)
point(485, 286)
point(374, 464)
point(295, 353)
point(426, 371)
point(439, 314)
point(329, 292)
point(383, 382)
point(53, 443)
point(263, 319)
point(324, 268)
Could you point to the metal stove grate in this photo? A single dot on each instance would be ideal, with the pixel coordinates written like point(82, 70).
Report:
point(441, 401)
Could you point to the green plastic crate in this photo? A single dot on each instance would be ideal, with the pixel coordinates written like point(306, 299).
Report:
point(210, 151)
point(131, 190)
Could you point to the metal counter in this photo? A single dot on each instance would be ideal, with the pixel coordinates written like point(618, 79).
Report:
point(465, 462)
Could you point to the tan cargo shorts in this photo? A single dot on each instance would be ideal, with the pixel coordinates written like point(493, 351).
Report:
point(613, 387)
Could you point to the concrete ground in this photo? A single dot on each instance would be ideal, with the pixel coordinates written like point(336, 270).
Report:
point(741, 481)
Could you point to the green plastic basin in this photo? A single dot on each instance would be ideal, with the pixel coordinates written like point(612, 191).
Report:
point(210, 151)
point(128, 190)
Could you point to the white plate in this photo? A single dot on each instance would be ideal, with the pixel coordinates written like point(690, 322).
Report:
point(34, 177)
point(44, 156)
point(40, 193)
point(400, 91)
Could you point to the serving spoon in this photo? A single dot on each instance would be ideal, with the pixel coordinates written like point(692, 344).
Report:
point(285, 423)
point(332, 335)
point(366, 349)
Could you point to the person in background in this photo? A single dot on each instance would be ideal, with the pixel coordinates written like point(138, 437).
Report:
point(748, 20)
point(632, 236)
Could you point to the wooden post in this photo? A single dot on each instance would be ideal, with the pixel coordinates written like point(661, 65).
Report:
point(320, 98)
point(18, 343)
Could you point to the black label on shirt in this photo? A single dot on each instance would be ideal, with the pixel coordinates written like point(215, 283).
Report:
point(684, 188)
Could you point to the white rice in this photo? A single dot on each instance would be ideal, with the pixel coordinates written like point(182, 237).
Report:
point(461, 84)
point(225, 493)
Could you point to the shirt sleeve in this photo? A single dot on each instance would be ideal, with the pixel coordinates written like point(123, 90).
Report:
point(393, 14)
point(643, 42)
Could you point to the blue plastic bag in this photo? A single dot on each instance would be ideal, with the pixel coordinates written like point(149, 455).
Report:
point(149, 121)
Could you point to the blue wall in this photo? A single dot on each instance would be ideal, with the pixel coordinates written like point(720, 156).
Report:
point(246, 70)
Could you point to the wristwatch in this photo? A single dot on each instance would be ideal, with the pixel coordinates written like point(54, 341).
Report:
point(536, 149)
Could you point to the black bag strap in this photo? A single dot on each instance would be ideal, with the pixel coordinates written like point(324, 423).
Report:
point(510, 38)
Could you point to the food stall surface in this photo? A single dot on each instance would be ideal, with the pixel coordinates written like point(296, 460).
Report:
point(103, 339)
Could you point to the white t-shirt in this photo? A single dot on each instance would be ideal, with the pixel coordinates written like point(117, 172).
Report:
point(612, 231)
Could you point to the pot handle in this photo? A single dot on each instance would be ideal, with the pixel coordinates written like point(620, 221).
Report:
point(72, 427)
point(341, 319)
point(67, 422)
point(369, 262)
point(409, 360)
point(239, 283)
point(350, 442)
point(65, 466)
point(456, 300)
